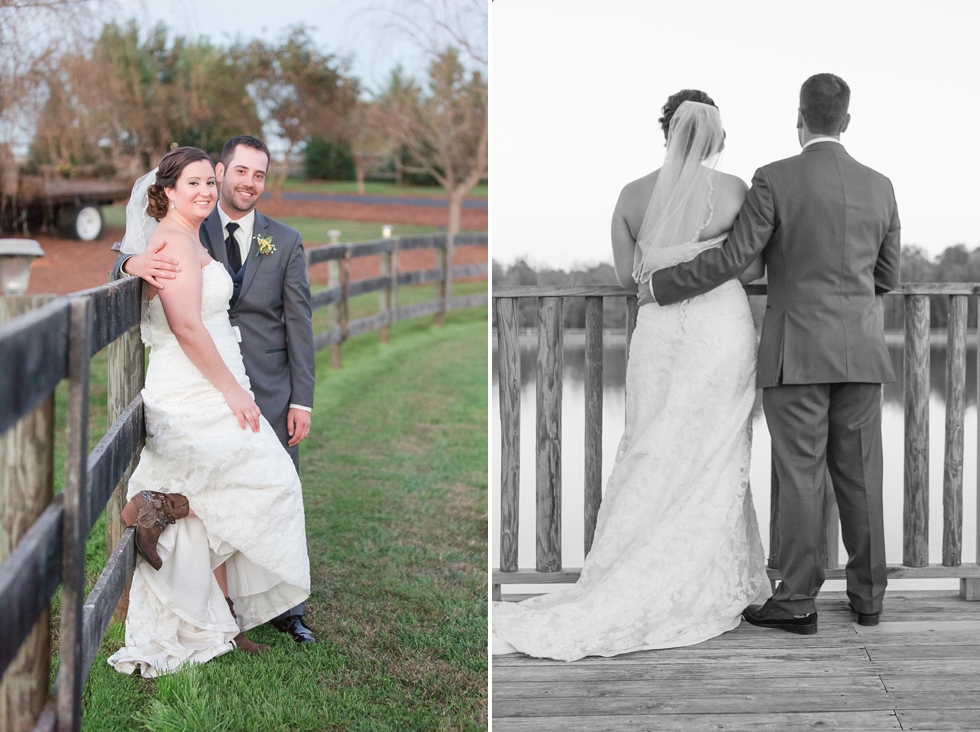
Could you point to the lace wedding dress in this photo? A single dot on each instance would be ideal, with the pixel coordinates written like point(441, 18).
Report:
point(243, 488)
point(677, 554)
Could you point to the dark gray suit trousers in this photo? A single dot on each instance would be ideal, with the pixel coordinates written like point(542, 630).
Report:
point(816, 427)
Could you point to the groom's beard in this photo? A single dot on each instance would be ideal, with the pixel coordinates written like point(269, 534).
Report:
point(234, 200)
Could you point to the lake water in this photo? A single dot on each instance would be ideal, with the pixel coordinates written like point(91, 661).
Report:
point(614, 373)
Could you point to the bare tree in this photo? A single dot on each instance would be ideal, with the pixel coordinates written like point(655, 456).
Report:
point(365, 131)
point(444, 129)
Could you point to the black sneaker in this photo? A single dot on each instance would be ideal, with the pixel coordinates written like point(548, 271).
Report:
point(768, 616)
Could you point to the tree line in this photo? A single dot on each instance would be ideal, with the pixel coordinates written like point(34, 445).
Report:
point(116, 102)
point(955, 264)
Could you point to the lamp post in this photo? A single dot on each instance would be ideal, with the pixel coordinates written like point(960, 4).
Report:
point(16, 256)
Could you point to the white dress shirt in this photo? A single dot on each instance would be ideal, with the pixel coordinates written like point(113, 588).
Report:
point(821, 139)
point(244, 233)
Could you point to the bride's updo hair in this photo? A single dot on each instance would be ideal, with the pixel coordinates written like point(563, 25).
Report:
point(675, 100)
point(168, 172)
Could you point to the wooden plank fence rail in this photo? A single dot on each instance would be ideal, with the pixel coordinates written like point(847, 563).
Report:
point(57, 340)
point(337, 295)
point(548, 568)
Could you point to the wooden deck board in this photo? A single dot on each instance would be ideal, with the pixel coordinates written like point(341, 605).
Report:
point(919, 669)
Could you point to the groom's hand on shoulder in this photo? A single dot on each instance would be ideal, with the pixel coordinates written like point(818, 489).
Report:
point(151, 266)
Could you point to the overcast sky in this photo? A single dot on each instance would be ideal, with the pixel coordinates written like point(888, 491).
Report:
point(577, 87)
point(359, 29)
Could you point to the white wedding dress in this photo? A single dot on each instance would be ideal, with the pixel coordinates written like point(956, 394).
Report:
point(243, 488)
point(677, 555)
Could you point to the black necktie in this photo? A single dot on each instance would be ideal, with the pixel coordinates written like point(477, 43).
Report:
point(234, 253)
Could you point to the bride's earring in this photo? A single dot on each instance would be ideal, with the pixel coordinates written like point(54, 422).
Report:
point(173, 205)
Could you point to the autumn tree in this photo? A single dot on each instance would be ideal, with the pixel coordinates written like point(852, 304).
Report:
point(444, 128)
point(300, 91)
point(125, 100)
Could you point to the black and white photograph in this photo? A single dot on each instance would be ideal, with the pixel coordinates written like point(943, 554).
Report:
point(734, 378)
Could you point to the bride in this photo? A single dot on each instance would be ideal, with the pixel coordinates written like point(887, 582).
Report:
point(677, 555)
point(215, 497)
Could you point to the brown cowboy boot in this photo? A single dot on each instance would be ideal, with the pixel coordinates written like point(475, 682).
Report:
point(240, 640)
point(152, 512)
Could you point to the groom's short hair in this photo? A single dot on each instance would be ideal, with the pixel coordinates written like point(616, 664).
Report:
point(823, 103)
point(228, 151)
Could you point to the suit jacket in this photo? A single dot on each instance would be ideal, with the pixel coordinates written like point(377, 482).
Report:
point(828, 230)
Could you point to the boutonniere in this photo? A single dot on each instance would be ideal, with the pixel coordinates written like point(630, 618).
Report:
point(265, 246)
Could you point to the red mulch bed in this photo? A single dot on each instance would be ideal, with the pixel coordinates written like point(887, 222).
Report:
point(69, 266)
point(412, 215)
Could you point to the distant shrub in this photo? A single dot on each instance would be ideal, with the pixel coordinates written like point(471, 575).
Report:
point(323, 160)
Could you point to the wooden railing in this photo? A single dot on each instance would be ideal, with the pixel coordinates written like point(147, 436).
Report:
point(40, 348)
point(341, 289)
point(548, 485)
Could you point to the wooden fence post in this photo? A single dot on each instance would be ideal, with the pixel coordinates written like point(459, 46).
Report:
point(386, 298)
point(548, 433)
point(26, 486)
point(333, 314)
point(915, 520)
point(70, 671)
point(509, 384)
point(126, 378)
point(970, 588)
point(593, 416)
point(444, 260)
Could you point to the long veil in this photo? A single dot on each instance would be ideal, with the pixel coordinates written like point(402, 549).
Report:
point(139, 224)
point(683, 198)
point(139, 229)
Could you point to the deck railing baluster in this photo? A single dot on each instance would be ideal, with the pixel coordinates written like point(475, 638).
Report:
point(955, 412)
point(970, 588)
point(509, 383)
point(548, 467)
point(593, 415)
point(915, 519)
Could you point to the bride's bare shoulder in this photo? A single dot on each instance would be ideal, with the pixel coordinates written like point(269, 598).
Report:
point(637, 192)
point(176, 243)
point(731, 191)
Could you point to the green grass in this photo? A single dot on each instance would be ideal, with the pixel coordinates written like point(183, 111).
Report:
point(375, 188)
point(316, 231)
point(395, 488)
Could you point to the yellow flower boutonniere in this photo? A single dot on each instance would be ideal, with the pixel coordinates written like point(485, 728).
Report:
point(265, 246)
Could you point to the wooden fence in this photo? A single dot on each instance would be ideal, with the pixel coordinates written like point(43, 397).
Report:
point(46, 538)
point(548, 485)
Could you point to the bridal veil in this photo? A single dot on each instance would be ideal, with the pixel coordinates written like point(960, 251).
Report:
point(682, 202)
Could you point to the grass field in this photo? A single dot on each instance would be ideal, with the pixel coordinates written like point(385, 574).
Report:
point(395, 488)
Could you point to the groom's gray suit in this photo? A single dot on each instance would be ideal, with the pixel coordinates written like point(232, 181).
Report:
point(271, 308)
point(828, 230)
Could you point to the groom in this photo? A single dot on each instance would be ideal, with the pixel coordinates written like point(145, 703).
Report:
point(828, 230)
point(270, 306)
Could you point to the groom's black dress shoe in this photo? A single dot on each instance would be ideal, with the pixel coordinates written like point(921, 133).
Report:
point(869, 619)
point(295, 627)
point(768, 616)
